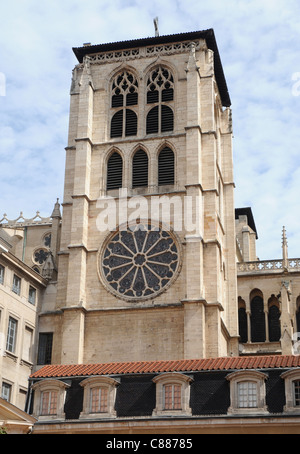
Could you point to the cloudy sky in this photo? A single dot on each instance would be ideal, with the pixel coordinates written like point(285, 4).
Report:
point(259, 44)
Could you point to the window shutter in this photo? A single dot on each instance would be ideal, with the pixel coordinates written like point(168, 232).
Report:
point(131, 99)
point(116, 124)
point(114, 172)
point(167, 119)
point(140, 169)
point(166, 167)
point(167, 94)
point(117, 100)
point(152, 121)
point(152, 95)
point(131, 123)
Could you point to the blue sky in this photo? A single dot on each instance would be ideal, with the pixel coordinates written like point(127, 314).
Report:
point(259, 44)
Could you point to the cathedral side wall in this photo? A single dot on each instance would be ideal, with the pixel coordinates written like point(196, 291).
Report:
point(130, 335)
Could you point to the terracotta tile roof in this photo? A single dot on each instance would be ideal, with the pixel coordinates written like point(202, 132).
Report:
point(144, 367)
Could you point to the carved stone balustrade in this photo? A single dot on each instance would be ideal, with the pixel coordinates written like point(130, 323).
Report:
point(267, 267)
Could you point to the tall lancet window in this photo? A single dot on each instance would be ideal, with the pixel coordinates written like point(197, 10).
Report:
point(160, 93)
point(166, 167)
point(114, 172)
point(124, 95)
point(140, 169)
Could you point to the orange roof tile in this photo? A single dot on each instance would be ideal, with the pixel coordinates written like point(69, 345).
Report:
point(144, 367)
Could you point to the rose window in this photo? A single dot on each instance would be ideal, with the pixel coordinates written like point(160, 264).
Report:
point(140, 262)
point(40, 256)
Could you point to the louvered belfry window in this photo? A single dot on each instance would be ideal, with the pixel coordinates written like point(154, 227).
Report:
point(166, 167)
point(114, 172)
point(124, 95)
point(160, 92)
point(140, 169)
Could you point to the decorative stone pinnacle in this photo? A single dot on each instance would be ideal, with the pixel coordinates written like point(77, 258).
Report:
point(284, 248)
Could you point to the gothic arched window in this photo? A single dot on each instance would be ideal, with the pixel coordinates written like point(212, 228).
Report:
point(274, 322)
point(114, 171)
point(140, 169)
point(124, 94)
point(243, 328)
point(160, 92)
point(258, 326)
point(298, 315)
point(166, 170)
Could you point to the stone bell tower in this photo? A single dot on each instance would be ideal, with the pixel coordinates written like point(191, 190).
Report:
point(150, 135)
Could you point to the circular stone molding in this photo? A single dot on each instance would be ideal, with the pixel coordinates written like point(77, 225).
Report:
point(139, 263)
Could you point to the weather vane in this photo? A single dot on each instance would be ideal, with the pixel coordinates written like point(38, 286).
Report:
point(156, 26)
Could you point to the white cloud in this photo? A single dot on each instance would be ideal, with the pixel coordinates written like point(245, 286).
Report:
point(259, 46)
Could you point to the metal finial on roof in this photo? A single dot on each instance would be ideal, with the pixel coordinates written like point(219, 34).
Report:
point(155, 21)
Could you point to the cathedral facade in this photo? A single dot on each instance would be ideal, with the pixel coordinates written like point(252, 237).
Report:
point(150, 269)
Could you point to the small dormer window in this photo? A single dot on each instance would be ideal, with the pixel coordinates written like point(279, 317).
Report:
point(247, 392)
point(172, 397)
point(99, 397)
point(49, 399)
point(172, 394)
point(49, 403)
point(292, 390)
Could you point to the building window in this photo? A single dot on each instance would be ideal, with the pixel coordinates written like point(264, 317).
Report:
point(140, 169)
point(292, 390)
point(40, 256)
point(47, 240)
point(16, 288)
point(140, 262)
point(172, 394)
point(6, 391)
point(32, 295)
point(274, 323)
point(242, 316)
point(49, 403)
point(172, 397)
point(99, 400)
point(297, 392)
point(160, 92)
point(166, 174)
point(99, 397)
point(247, 392)
point(2, 274)
point(27, 344)
point(11, 335)
point(49, 399)
point(258, 322)
point(298, 315)
point(45, 348)
point(114, 172)
point(124, 94)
